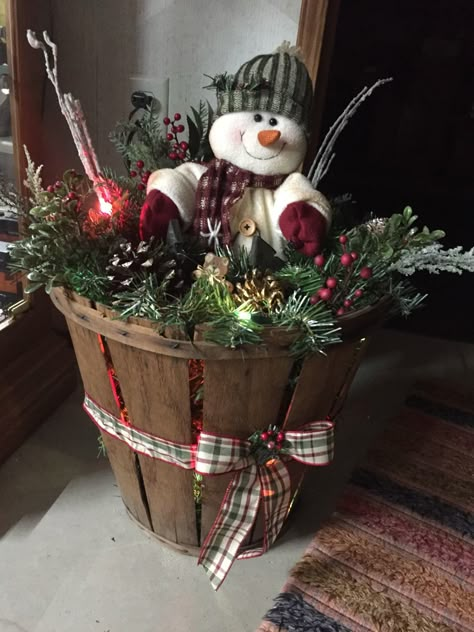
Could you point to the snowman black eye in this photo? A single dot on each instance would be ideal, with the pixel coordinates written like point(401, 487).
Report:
point(273, 122)
point(257, 118)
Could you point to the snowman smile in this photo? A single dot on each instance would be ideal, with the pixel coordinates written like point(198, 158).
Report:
point(258, 157)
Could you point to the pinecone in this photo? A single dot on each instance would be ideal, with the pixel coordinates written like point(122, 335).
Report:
point(377, 225)
point(129, 264)
point(260, 291)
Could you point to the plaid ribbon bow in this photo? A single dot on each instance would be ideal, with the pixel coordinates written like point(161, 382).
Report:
point(252, 484)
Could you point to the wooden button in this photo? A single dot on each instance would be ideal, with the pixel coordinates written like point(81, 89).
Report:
point(247, 227)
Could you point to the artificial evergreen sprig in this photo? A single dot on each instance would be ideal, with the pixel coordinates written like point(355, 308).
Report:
point(146, 297)
point(313, 324)
point(142, 140)
point(199, 125)
point(434, 259)
point(387, 238)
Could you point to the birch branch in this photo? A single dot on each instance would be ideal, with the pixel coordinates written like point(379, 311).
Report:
point(70, 107)
point(326, 153)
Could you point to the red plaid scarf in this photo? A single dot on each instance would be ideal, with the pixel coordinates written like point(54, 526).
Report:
point(219, 188)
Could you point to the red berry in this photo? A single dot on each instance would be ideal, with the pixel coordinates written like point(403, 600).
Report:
point(366, 273)
point(173, 155)
point(270, 445)
point(71, 195)
point(169, 136)
point(354, 256)
point(358, 293)
point(58, 184)
point(340, 312)
point(319, 261)
point(270, 432)
point(177, 116)
point(280, 437)
point(331, 282)
point(279, 445)
point(181, 155)
point(145, 178)
point(184, 145)
point(347, 302)
point(264, 436)
point(166, 120)
point(343, 239)
point(50, 189)
point(346, 260)
point(141, 187)
point(140, 164)
point(174, 129)
point(314, 299)
point(133, 173)
point(325, 294)
point(180, 128)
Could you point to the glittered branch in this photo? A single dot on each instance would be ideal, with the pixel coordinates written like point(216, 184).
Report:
point(326, 153)
point(70, 107)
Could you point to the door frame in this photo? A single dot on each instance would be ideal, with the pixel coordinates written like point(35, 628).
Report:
point(37, 369)
point(316, 37)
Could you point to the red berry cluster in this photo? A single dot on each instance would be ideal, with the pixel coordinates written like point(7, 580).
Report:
point(337, 292)
point(66, 190)
point(140, 173)
point(179, 148)
point(273, 439)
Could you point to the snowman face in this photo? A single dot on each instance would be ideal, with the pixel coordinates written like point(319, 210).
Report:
point(261, 142)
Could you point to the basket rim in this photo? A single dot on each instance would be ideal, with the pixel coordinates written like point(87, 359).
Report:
point(136, 335)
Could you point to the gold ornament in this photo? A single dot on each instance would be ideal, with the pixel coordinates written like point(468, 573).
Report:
point(260, 291)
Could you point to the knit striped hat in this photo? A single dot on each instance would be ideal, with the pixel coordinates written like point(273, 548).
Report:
point(278, 83)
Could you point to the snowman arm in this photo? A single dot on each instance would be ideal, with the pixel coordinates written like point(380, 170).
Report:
point(297, 188)
point(303, 215)
point(177, 186)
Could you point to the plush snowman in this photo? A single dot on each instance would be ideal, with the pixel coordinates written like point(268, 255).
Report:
point(253, 185)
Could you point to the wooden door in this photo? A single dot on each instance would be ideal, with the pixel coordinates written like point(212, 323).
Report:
point(412, 143)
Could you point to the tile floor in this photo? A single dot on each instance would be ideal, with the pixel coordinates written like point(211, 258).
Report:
point(71, 560)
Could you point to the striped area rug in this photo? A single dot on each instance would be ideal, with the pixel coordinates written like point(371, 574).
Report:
point(398, 554)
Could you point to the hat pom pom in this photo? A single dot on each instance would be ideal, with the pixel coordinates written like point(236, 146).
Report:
point(289, 49)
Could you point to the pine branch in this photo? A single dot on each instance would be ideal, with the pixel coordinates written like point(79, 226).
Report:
point(314, 324)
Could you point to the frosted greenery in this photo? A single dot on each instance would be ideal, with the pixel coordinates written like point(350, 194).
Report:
point(435, 259)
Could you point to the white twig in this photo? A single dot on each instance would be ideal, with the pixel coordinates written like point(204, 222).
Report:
point(70, 108)
point(326, 154)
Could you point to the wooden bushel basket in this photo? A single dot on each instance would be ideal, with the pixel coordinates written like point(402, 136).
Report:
point(244, 390)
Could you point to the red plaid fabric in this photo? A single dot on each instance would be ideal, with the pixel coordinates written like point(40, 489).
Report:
point(252, 484)
point(219, 188)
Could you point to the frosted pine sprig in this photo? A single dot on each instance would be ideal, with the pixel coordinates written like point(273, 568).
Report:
point(33, 180)
point(435, 259)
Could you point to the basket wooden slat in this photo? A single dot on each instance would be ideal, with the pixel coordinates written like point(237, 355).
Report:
point(321, 380)
point(239, 398)
point(97, 384)
point(156, 393)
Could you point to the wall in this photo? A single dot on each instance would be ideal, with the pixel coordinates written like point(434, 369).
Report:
point(103, 43)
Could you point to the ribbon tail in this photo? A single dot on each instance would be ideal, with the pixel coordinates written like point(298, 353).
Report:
point(276, 493)
point(234, 520)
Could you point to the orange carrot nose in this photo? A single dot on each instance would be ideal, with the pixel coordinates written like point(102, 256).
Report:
point(268, 137)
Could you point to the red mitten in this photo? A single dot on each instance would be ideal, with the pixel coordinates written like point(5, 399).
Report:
point(304, 226)
point(157, 212)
